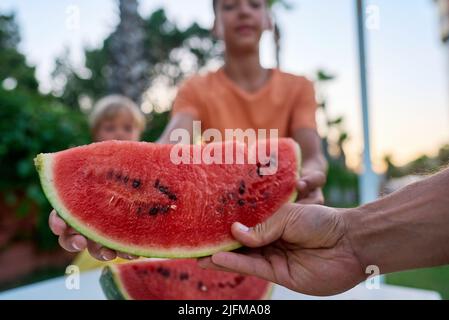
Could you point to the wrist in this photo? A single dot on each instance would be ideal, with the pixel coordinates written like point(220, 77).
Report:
point(313, 165)
point(364, 231)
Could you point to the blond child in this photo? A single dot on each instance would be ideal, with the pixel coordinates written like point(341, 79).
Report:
point(116, 117)
point(113, 117)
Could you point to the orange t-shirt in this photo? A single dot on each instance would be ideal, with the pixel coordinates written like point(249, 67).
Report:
point(286, 102)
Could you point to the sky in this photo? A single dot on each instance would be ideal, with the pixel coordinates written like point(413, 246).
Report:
point(408, 66)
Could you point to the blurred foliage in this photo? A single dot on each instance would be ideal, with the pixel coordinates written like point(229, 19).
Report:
point(166, 47)
point(12, 63)
point(32, 124)
point(422, 165)
point(341, 189)
point(156, 125)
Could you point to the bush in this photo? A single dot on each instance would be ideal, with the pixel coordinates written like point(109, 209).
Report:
point(32, 124)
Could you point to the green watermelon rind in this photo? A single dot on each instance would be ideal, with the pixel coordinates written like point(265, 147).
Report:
point(113, 288)
point(44, 163)
point(111, 285)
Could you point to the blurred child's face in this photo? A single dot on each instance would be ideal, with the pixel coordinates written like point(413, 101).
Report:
point(240, 23)
point(119, 127)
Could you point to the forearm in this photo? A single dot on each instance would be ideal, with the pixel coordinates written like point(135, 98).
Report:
point(311, 152)
point(182, 121)
point(408, 229)
point(314, 161)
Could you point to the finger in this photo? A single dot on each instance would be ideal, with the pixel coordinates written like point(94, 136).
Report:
point(206, 263)
point(301, 186)
point(279, 263)
point(314, 180)
point(126, 256)
point(99, 252)
point(72, 243)
point(70, 231)
point(266, 232)
point(57, 225)
point(244, 264)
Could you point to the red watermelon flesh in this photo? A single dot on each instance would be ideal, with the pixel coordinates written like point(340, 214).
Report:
point(131, 196)
point(178, 279)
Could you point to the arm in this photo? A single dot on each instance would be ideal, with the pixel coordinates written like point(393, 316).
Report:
point(314, 166)
point(180, 120)
point(322, 251)
point(406, 230)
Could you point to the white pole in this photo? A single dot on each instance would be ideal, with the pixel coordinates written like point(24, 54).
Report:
point(368, 181)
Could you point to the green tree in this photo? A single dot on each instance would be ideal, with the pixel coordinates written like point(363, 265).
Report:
point(127, 66)
point(31, 123)
point(342, 183)
point(277, 33)
point(14, 71)
point(166, 49)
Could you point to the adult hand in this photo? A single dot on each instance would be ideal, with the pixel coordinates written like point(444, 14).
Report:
point(302, 247)
point(309, 187)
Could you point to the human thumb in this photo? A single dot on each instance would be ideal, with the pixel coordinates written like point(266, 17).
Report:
point(265, 232)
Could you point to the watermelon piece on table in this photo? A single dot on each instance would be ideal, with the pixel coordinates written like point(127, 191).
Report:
point(132, 196)
point(178, 279)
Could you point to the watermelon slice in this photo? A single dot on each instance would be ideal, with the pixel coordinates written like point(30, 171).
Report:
point(178, 279)
point(133, 197)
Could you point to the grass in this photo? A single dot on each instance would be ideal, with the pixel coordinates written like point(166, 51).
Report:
point(436, 279)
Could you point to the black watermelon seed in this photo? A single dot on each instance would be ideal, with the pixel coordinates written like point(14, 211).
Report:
point(153, 211)
point(200, 285)
point(242, 187)
point(183, 276)
point(163, 189)
point(136, 183)
point(173, 197)
point(126, 179)
point(163, 272)
point(241, 202)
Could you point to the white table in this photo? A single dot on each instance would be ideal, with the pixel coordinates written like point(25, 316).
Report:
point(89, 289)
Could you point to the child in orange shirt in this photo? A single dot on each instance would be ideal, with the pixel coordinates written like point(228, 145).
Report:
point(242, 95)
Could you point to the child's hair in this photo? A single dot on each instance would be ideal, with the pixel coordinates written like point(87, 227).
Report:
point(215, 2)
point(108, 107)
